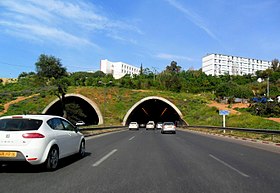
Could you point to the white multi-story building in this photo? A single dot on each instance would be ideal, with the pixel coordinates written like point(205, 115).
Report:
point(219, 64)
point(118, 69)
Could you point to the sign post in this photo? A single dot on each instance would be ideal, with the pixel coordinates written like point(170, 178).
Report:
point(224, 113)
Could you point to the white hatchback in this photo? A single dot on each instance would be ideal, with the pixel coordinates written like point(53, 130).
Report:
point(168, 127)
point(39, 139)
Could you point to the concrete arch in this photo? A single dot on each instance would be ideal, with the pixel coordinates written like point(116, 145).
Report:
point(164, 101)
point(83, 99)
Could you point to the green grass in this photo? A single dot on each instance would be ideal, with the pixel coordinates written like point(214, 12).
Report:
point(119, 100)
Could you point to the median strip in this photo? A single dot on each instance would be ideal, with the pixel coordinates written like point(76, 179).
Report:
point(229, 166)
point(104, 158)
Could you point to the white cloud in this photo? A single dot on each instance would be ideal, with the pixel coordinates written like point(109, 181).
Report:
point(70, 23)
point(173, 57)
point(193, 17)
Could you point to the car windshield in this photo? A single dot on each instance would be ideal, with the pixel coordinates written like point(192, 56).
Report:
point(19, 124)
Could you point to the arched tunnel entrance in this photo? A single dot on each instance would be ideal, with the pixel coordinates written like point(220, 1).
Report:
point(155, 109)
point(89, 112)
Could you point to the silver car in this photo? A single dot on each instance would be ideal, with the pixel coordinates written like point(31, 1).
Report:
point(168, 127)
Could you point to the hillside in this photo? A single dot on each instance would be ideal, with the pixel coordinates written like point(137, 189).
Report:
point(196, 109)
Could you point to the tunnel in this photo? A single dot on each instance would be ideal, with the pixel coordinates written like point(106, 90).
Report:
point(91, 112)
point(155, 109)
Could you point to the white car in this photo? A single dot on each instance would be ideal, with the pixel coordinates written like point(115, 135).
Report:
point(80, 123)
point(39, 139)
point(150, 125)
point(133, 125)
point(159, 125)
point(168, 127)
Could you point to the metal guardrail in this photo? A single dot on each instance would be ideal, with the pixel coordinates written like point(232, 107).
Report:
point(250, 130)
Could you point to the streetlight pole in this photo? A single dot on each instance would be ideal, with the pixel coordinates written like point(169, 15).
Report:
point(104, 105)
point(267, 87)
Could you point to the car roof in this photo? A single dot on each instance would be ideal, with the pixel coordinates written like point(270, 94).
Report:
point(41, 117)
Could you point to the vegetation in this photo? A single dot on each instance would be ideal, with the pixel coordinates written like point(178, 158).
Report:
point(190, 90)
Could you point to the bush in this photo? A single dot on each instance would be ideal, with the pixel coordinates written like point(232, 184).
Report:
point(269, 109)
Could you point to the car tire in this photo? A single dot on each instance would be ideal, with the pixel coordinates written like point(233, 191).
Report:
point(82, 150)
point(52, 159)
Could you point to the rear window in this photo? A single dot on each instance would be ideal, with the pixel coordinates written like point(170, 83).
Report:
point(169, 123)
point(19, 124)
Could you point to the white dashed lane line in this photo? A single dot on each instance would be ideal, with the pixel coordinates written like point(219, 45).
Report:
point(104, 158)
point(229, 166)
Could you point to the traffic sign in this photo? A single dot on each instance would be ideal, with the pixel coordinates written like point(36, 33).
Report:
point(223, 112)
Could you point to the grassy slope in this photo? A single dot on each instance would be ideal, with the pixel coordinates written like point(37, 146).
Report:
point(119, 101)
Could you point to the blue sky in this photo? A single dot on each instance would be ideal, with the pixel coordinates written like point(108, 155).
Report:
point(148, 32)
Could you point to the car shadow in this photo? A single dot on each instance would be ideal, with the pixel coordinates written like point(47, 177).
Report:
point(23, 167)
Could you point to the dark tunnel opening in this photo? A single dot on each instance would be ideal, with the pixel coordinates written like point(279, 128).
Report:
point(89, 115)
point(154, 110)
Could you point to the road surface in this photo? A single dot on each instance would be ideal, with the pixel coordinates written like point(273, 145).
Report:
point(150, 162)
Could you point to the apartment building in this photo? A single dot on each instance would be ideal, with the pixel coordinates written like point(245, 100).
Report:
point(118, 69)
point(219, 64)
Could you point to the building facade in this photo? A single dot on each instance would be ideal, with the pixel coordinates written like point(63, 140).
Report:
point(118, 69)
point(219, 64)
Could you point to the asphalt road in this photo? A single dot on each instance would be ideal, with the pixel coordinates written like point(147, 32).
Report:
point(149, 162)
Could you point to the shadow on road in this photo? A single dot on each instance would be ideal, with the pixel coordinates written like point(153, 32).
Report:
point(23, 167)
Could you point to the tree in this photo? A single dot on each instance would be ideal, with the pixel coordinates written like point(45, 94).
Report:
point(275, 65)
point(60, 92)
point(173, 67)
point(141, 69)
point(50, 67)
point(74, 112)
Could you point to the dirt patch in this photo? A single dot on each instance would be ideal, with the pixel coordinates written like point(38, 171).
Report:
point(19, 99)
point(274, 119)
point(221, 106)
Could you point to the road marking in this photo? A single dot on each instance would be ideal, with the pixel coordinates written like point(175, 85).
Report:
point(104, 158)
point(229, 166)
point(131, 138)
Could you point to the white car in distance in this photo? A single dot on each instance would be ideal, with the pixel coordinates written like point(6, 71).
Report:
point(133, 125)
point(168, 127)
point(150, 125)
point(39, 139)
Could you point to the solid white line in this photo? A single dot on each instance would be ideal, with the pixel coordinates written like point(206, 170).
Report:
point(229, 166)
point(131, 138)
point(104, 158)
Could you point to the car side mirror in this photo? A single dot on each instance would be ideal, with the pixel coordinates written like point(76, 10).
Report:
point(76, 129)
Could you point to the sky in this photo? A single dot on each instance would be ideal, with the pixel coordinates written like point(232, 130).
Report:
point(149, 32)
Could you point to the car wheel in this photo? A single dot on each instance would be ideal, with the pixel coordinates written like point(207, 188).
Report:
point(82, 150)
point(52, 159)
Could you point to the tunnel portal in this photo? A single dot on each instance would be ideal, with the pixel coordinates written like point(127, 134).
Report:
point(155, 109)
point(89, 109)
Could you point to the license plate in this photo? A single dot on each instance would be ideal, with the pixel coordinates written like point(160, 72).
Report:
point(8, 154)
